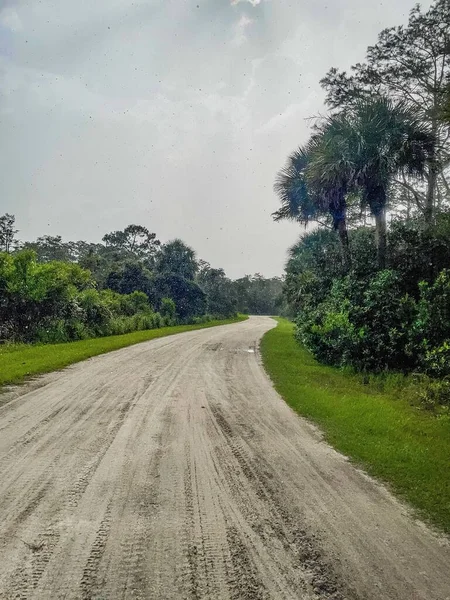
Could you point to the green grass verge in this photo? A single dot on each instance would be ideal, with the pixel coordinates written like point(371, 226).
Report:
point(394, 441)
point(17, 362)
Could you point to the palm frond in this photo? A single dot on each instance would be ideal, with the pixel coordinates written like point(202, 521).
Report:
point(297, 203)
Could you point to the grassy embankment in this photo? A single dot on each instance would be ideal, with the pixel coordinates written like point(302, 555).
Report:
point(402, 445)
point(19, 361)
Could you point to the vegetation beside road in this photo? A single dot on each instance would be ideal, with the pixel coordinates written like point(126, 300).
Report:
point(369, 286)
point(393, 440)
point(19, 361)
point(53, 291)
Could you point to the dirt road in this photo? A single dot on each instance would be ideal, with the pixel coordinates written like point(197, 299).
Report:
point(172, 470)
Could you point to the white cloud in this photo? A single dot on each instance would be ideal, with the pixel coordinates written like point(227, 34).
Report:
point(252, 2)
point(11, 20)
point(240, 29)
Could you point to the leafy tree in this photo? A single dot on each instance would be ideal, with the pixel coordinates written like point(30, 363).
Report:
point(48, 248)
point(257, 295)
point(264, 294)
point(361, 324)
point(7, 233)
point(433, 326)
point(131, 277)
point(57, 302)
point(91, 257)
point(189, 298)
point(221, 299)
point(409, 64)
point(134, 240)
point(177, 258)
point(312, 265)
point(419, 253)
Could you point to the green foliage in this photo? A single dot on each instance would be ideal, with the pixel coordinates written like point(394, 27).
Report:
point(419, 253)
point(130, 274)
point(256, 295)
point(129, 277)
point(436, 361)
point(396, 319)
point(432, 394)
point(176, 258)
point(312, 265)
point(57, 302)
point(189, 298)
point(48, 248)
point(219, 290)
point(135, 241)
point(7, 233)
point(430, 334)
point(168, 310)
point(202, 319)
point(32, 293)
point(375, 325)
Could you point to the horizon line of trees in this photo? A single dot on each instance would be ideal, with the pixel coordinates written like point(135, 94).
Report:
point(370, 286)
point(52, 290)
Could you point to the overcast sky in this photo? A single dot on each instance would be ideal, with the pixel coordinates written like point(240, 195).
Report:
point(173, 114)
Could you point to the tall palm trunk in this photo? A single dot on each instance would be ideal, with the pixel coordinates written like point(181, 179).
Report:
point(337, 208)
point(381, 237)
point(376, 197)
point(343, 237)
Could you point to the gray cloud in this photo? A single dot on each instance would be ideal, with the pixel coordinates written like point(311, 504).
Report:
point(172, 114)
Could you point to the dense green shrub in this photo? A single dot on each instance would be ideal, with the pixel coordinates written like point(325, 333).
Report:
point(419, 253)
point(395, 319)
point(58, 302)
point(361, 324)
point(33, 294)
point(327, 329)
point(168, 308)
point(201, 319)
point(436, 361)
point(189, 298)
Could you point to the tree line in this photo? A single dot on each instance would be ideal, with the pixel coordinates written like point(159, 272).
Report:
point(370, 285)
point(54, 291)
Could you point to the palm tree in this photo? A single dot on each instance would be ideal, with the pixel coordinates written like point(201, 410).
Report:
point(305, 198)
point(328, 175)
point(297, 203)
point(369, 144)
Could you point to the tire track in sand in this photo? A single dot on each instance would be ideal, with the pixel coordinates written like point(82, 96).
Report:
point(172, 470)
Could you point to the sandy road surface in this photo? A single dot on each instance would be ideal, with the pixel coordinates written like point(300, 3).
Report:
point(172, 470)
